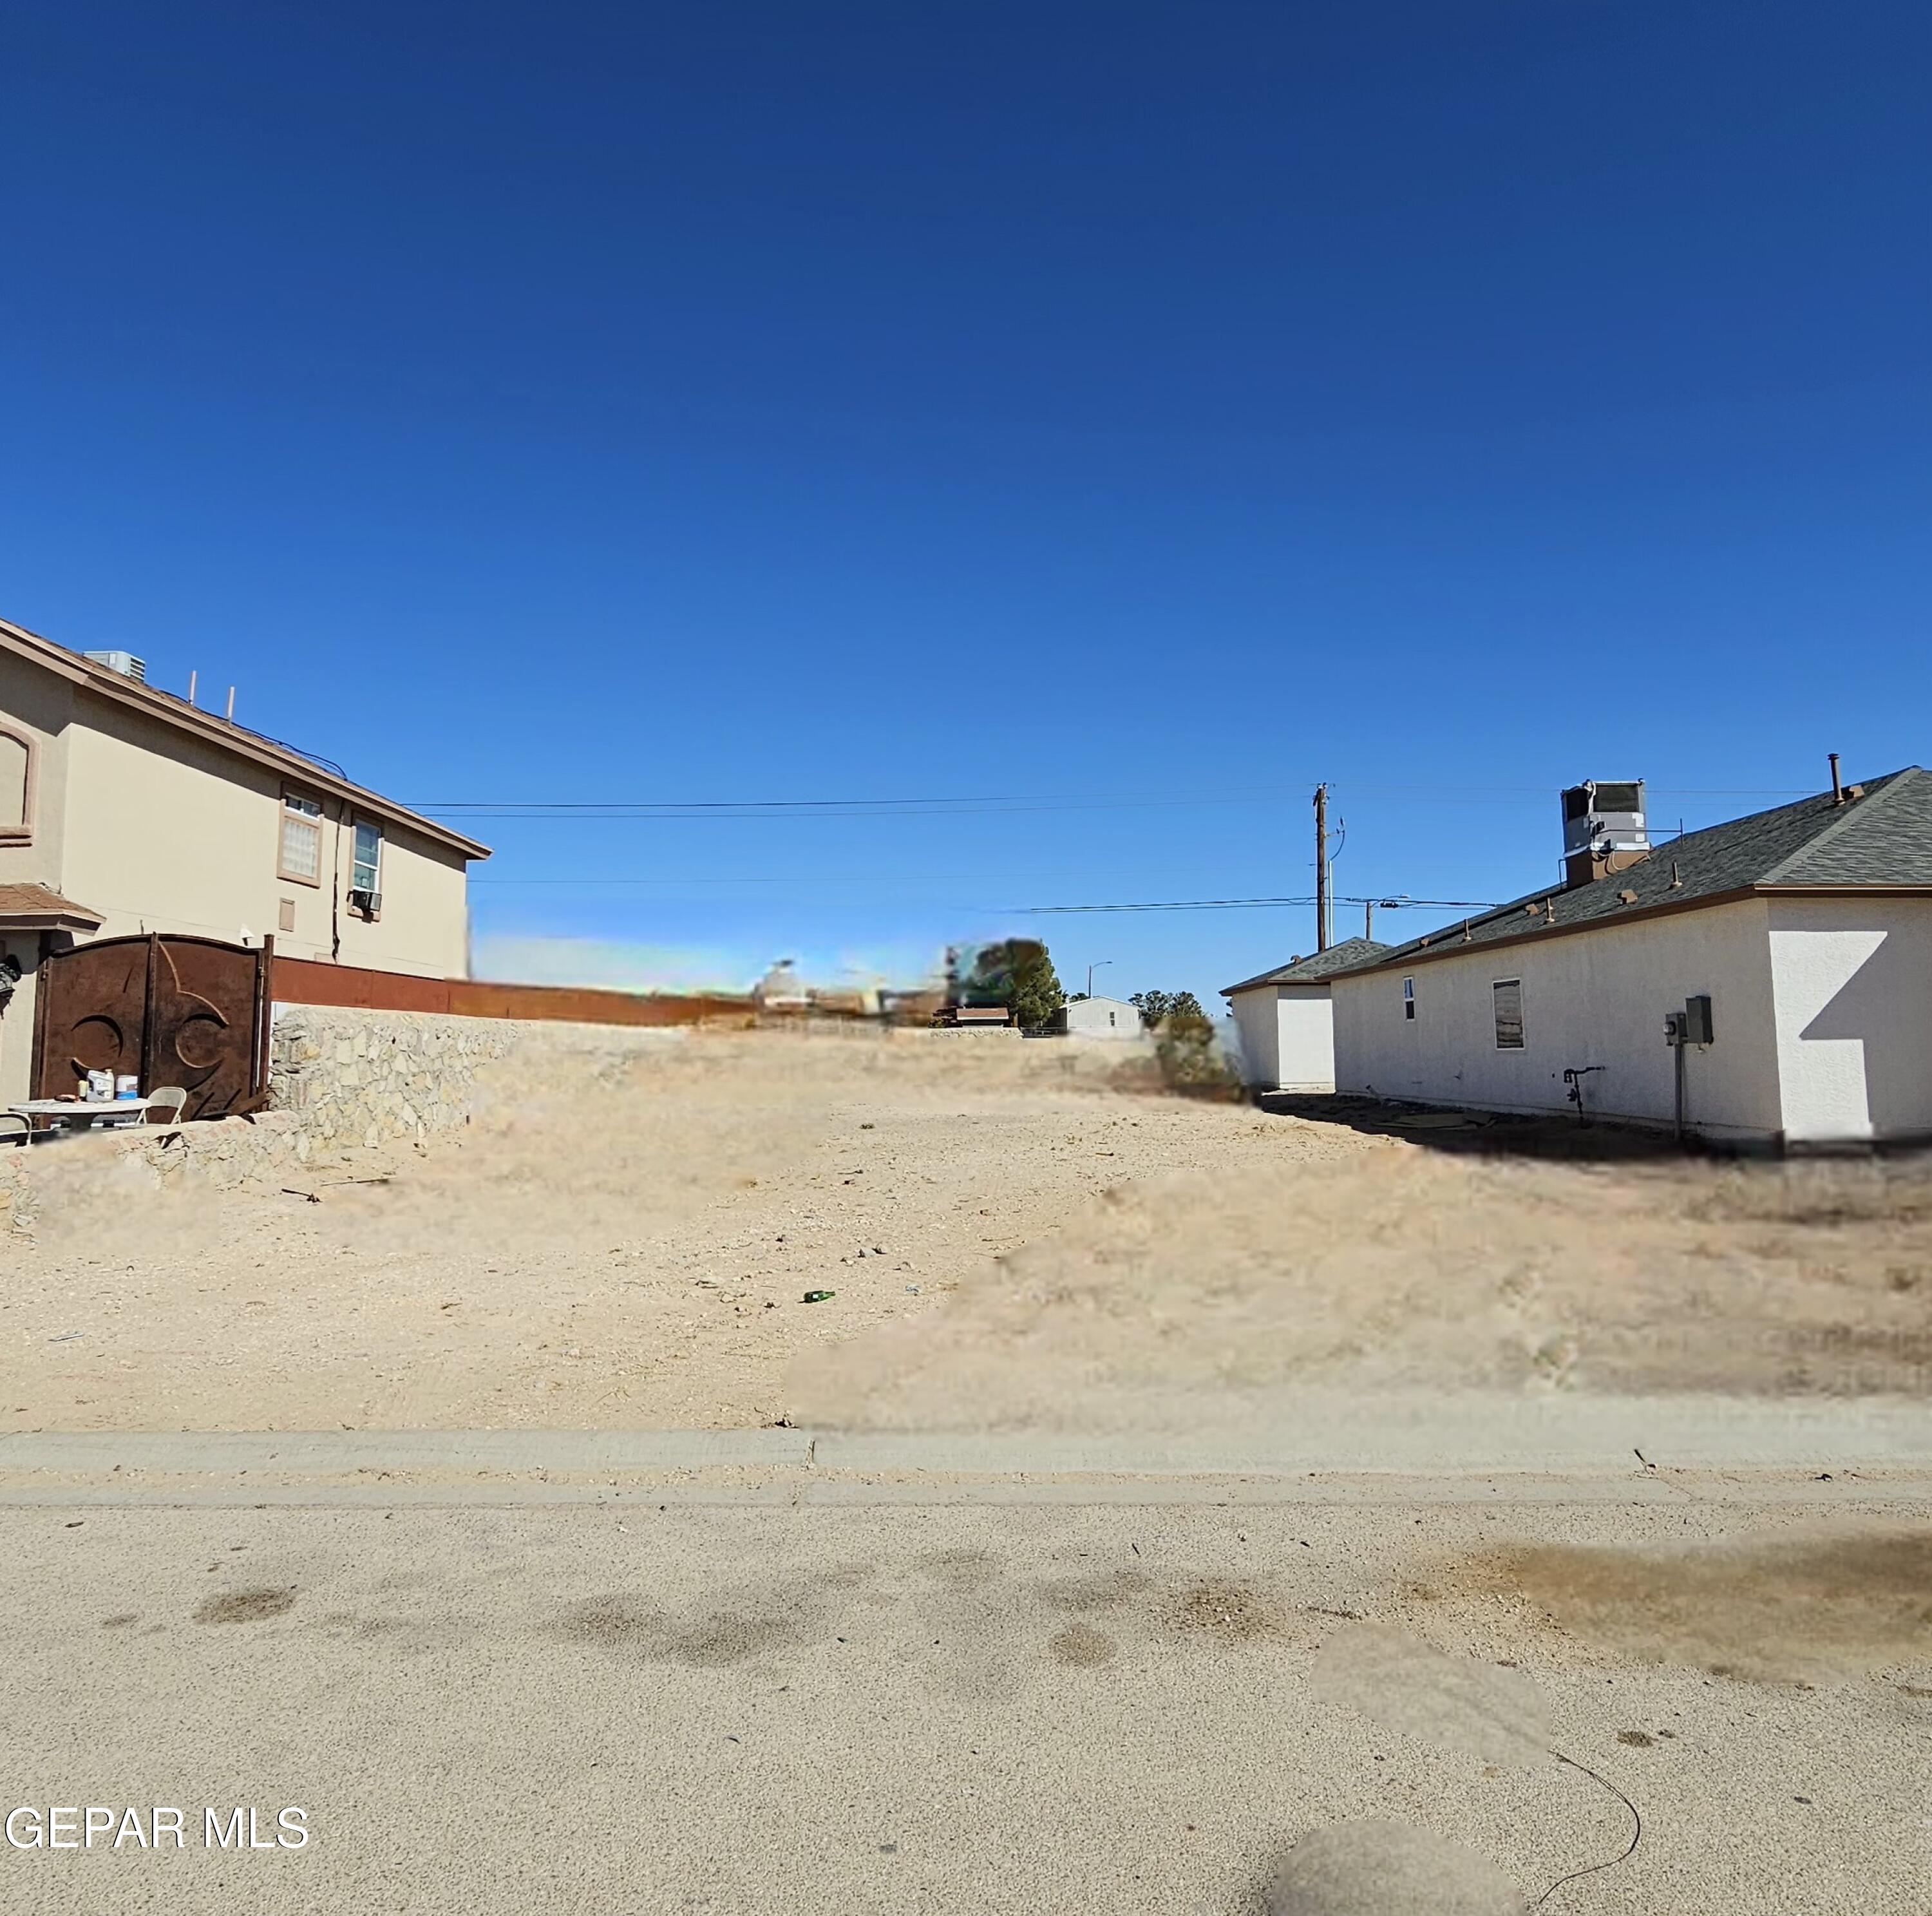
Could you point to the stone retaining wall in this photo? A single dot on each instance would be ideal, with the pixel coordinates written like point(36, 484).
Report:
point(370, 1078)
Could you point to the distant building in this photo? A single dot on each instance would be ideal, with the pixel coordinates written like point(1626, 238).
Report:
point(1286, 1021)
point(1102, 1018)
point(974, 1018)
point(781, 989)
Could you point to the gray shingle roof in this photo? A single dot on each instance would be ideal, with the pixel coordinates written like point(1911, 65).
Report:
point(1318, 965)
point(1883, 837)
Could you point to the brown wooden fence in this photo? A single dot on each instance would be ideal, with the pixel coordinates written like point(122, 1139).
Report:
point(304, 982)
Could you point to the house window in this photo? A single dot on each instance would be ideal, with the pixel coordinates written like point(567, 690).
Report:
point(1506, 994)
point(366, 873)
point(16, 771)
point(301, 838)
point(1409, 999)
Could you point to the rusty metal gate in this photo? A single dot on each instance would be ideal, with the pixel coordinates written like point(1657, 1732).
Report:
point(190, 1011)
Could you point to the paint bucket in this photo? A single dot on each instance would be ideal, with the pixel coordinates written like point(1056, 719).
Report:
point(127, 1088)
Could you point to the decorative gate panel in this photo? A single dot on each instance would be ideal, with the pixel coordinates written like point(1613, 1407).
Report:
point(190, 1011)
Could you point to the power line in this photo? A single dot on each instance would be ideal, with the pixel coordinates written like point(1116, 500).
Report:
point(571, 810)
point(702, 808)
point(778, 810)
point(1382, 900)
point(901, 880)
point(1242, 904)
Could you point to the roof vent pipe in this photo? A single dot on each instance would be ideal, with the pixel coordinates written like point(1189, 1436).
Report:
point(1837, 785)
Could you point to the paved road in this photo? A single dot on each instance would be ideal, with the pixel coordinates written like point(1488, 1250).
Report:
point(971, 1697)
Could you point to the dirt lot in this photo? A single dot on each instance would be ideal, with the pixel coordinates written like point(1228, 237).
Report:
point(1013, 1239)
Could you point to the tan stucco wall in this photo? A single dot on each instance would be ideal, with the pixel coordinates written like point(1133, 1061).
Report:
point(425, 921)
point(37, 705)
point(16, 1026)
point(164, 833)
point(159, 831)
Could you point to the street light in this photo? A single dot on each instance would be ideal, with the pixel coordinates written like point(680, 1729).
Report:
point(1091, 969)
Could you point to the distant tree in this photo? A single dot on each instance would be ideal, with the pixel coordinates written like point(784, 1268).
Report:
point(1018, 972)
point(1186, 1048)
point(1153, 1007)
point(1190, 1058)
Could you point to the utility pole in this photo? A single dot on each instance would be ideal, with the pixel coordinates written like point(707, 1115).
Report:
point(1322, 867)
point(1369, 919)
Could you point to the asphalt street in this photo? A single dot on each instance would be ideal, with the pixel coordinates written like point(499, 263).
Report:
point(1118, 1698)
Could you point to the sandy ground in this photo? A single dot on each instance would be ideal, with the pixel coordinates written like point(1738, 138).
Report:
point(1014, 1238)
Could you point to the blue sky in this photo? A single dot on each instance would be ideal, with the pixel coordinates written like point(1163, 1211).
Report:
point(1140, 412)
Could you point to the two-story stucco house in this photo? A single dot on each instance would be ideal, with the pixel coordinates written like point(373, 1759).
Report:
point(124, 809)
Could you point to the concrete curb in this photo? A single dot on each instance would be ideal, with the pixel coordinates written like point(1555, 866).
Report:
point(1408, 1435)
point(1436, 1436)
point(317, 1452)
point(800, 1491)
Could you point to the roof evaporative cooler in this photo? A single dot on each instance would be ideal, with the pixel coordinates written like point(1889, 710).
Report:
point(1603, 829)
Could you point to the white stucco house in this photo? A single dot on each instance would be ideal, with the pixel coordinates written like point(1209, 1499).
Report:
point(1285, 1019)
point(1102, 1018)
point(1793, 948)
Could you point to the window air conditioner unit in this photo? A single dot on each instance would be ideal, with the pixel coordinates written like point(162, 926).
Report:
point(368, 903)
